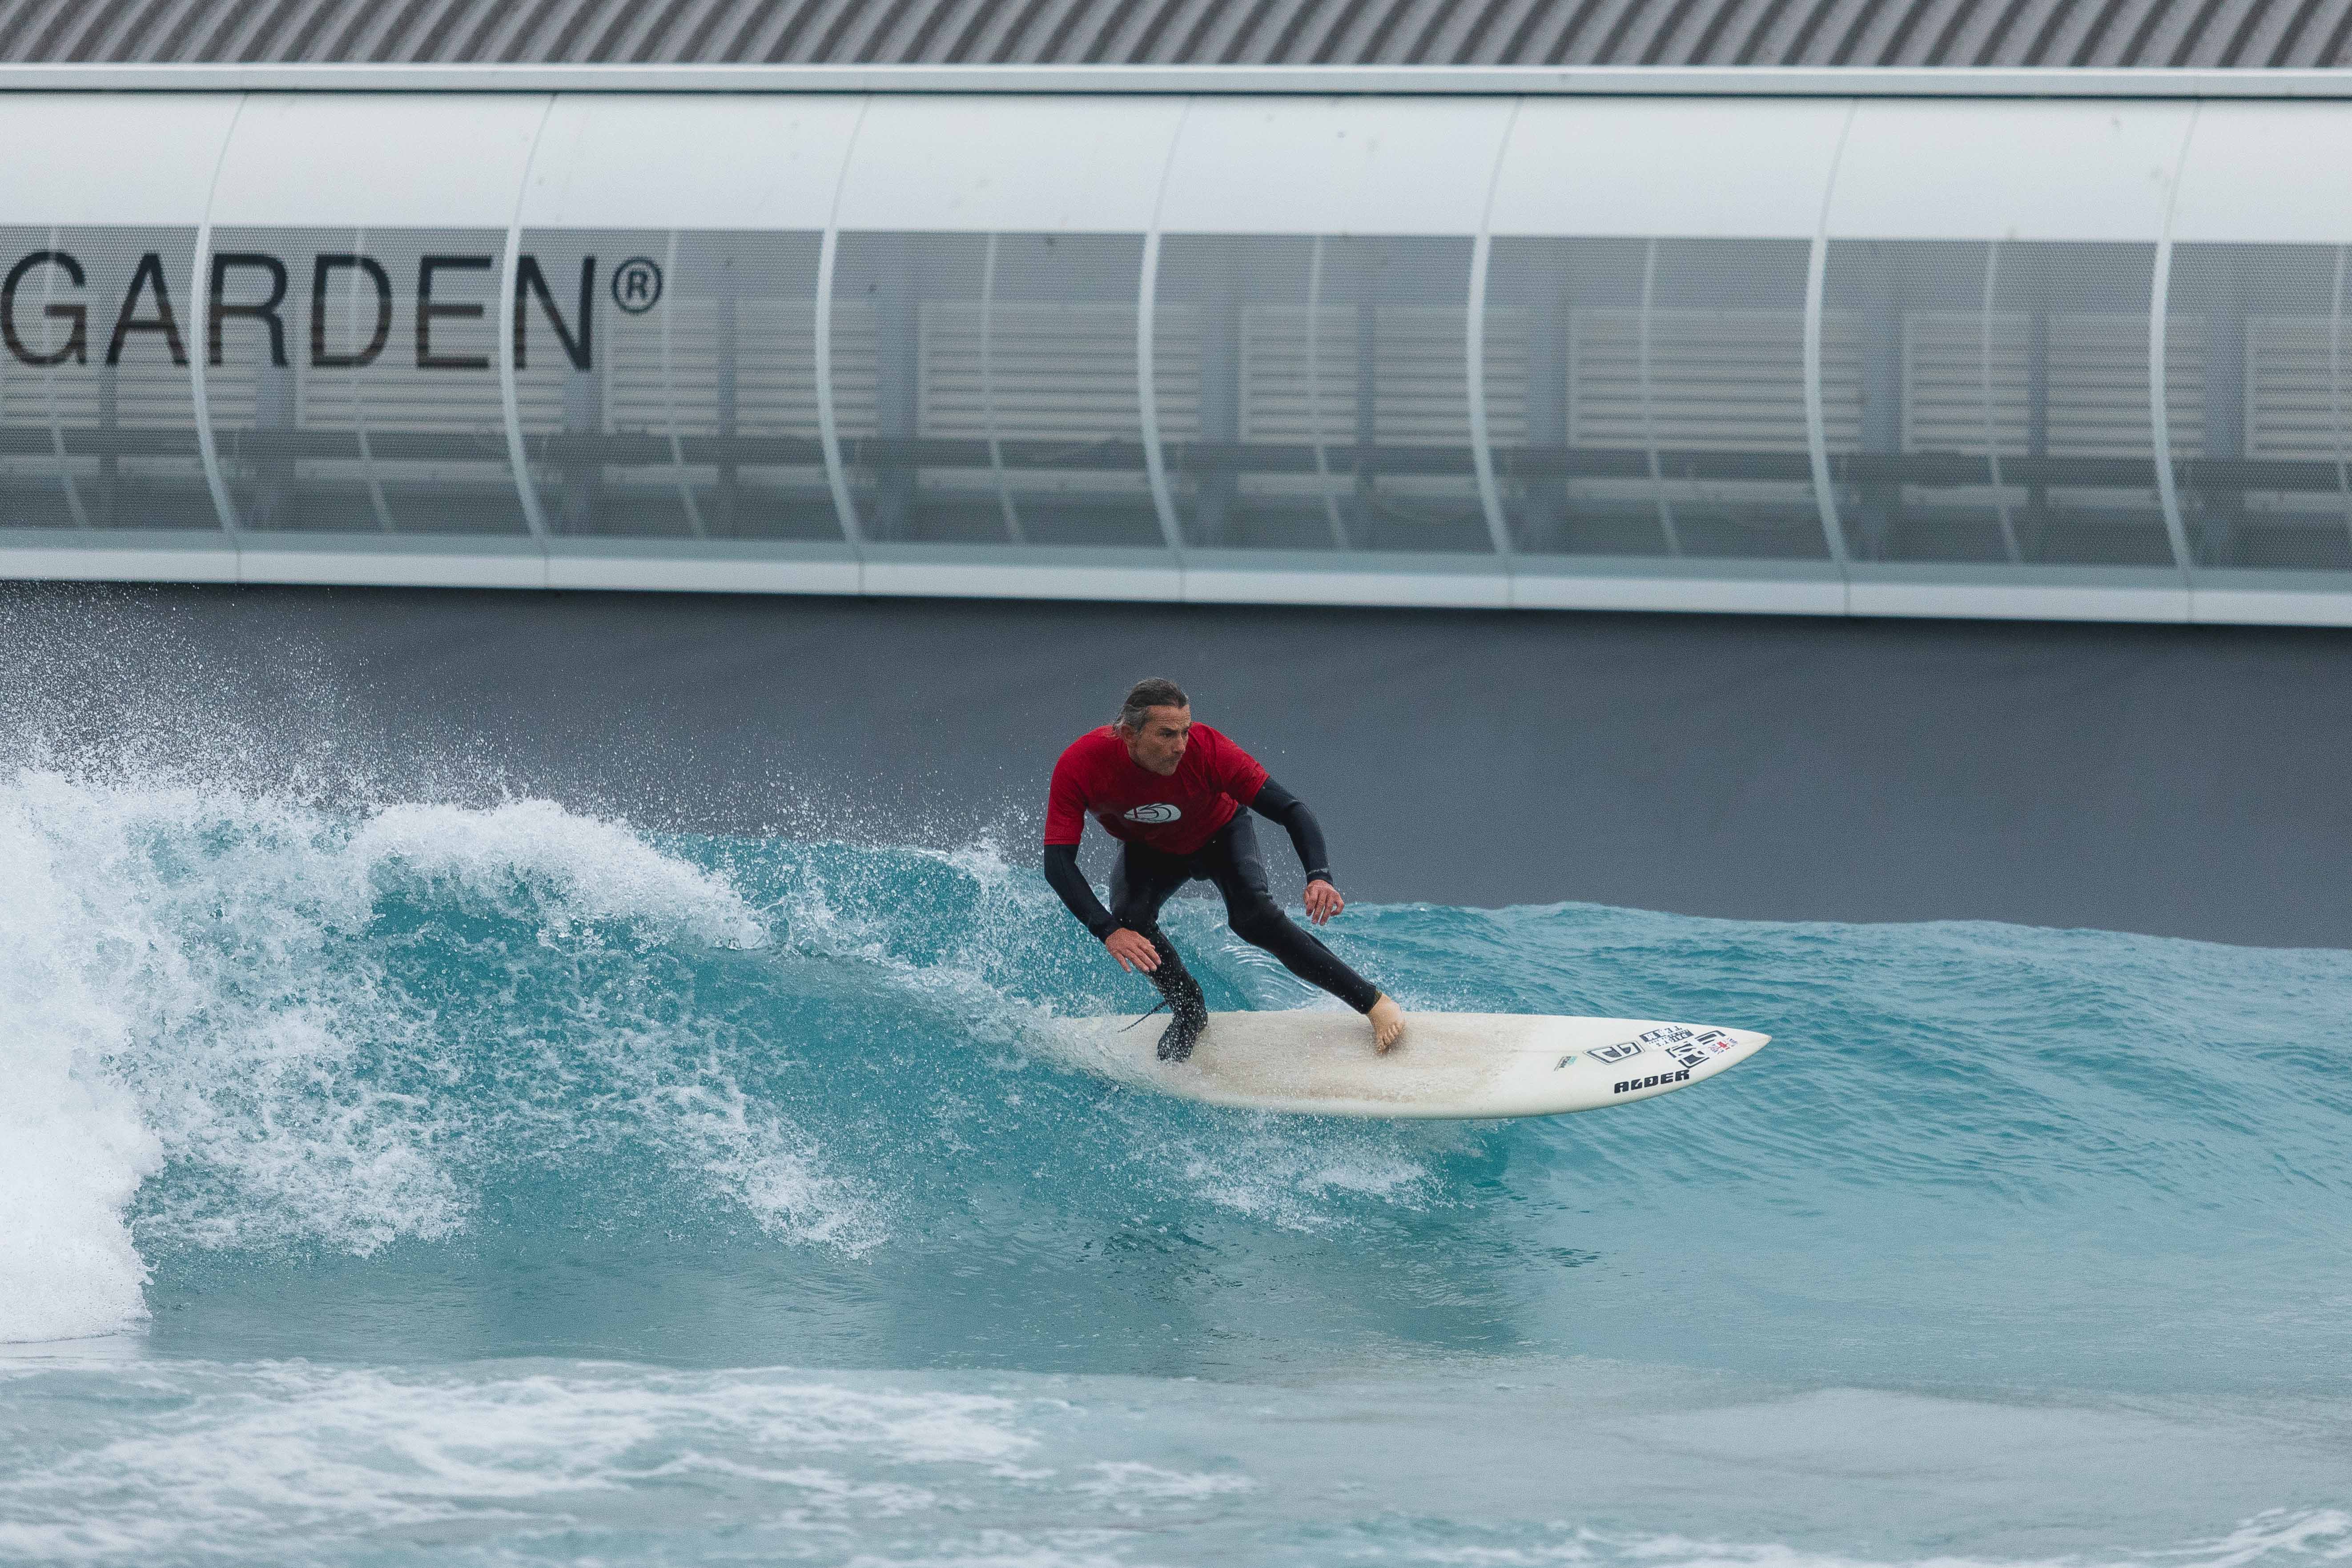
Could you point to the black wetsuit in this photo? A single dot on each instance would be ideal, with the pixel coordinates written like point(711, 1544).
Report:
point(1143, 879)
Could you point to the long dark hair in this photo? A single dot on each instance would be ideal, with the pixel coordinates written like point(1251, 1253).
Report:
point(1152, 691)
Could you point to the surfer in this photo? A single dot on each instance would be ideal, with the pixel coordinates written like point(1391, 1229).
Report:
point(1172, 792)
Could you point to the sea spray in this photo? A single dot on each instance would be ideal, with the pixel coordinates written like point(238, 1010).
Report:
point(703, 1097)
point(208, 977)
point(75, 966)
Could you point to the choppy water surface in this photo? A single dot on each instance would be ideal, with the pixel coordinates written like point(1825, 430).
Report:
point(419, 1183)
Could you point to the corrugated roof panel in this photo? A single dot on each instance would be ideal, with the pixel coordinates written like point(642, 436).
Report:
point(2012, 33)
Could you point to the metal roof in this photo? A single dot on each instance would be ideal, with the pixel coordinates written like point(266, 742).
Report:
point(2130, 34)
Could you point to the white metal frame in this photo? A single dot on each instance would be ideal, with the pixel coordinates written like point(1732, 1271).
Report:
point(1146, 355)
point(2160, 410)
point(509, 398)
point(1817, 441)
point(828, 427)
point(200, 336)
point(1474, 351)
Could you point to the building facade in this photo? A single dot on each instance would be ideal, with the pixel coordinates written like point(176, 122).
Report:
point(2062, 343)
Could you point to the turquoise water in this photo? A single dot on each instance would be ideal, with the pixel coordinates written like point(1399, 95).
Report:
point(409, 1182)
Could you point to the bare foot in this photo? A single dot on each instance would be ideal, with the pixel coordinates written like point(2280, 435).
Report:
point(1388, 1024)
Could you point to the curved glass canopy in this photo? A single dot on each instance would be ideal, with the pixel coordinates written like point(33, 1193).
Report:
point(1821, 355)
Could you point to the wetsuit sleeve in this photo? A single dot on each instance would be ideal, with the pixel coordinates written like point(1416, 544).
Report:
point(1277, 804)
point(1062, 874)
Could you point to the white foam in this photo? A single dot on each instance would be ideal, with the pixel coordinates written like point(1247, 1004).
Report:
point(297, 1459)
point(1134, 1479)
point(192, 976)
point(2311, 1535)
point(581, 867)
point(72, 1149)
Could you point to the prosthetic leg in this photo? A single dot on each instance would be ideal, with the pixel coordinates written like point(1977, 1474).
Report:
point(1188, 1007)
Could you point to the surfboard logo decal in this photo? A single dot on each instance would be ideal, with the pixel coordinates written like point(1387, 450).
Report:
point(1625, 1050)
point(1154, 813)
point(1652, 1081)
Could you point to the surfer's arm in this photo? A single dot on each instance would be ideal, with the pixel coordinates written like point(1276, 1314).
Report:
point(1277, 804)
point(1061, 875)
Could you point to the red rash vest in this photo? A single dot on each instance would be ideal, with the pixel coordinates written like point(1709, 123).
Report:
point(1175, 815)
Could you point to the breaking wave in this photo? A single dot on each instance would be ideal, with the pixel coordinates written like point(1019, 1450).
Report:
point(257, 1045)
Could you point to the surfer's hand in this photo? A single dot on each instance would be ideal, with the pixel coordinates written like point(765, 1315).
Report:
point(1133, 951)
point(1323, 901)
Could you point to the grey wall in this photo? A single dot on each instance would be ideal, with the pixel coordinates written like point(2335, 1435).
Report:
point(2178, 781)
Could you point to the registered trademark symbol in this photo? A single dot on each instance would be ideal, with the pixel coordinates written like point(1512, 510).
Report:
point(637, 284)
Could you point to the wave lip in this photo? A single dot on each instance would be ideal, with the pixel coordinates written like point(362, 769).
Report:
point(327, 1030)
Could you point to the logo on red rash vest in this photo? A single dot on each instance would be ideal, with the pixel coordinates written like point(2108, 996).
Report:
point(1154, 813)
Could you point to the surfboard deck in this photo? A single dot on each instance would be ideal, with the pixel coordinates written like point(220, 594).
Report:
point(1449, 1066)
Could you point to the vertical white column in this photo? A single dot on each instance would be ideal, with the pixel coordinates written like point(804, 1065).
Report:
point(2159, 415)
point(670, 405)
point(1314, 394)
point(988, 392)
point(509, 268)
point(81, 513)
point(828, 426)
point(1649, 398)
point(1991, 434)
point(1474, 351)
point(2335, 388)
point(200, 335)
point(1817, 438)
point(1147, 382)
point(377, 500)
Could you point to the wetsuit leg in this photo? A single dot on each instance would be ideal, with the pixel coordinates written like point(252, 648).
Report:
point(1232, 861)
point(1142, 879)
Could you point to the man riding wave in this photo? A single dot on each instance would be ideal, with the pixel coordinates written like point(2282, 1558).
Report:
point(1173, 792)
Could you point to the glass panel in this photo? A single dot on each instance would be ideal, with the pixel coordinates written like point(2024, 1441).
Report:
point(1647, 397)
point(98, 423)
point(986, 388)
point(689, 409)
point(1314, 395)
point(1989, 402)
point(352, 383)
point(2266, 366)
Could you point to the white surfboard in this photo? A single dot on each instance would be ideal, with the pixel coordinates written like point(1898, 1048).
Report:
point(1449, 1066)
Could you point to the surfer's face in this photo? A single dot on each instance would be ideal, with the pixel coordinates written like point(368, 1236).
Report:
point(1158, 743)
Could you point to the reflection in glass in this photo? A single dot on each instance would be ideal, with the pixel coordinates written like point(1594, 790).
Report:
point(2263, 476)
point(1314, 393)
point(98, 425)
point(986, 388)
point(696, 414)
point(1990, 401)
point(1646, 397)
